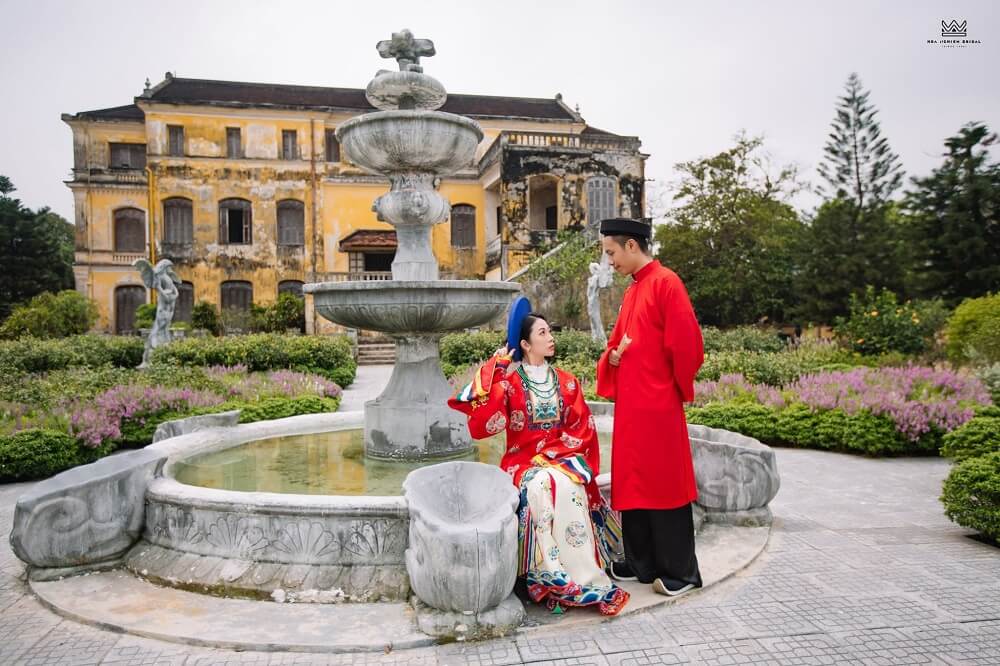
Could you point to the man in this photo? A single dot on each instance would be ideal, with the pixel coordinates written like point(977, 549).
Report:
point(649, 367)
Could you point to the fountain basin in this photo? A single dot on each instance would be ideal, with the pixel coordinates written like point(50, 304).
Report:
point(396, 142)
point(399, 307)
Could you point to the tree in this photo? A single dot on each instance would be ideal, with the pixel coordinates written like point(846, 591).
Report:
point(36, 251)
point(733, 237)
point(859, 165)
point(953, 226)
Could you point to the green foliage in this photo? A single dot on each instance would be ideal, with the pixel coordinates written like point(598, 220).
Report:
point(36, 251)
point(742, 338)
point(799, 426)
point(461, 349)
point(38, 355)
point(279, 408)
point(288, 312)
point(328, 356)
point(990, 376)
point(145, 315)
point(973, 330)
point(36, 454)
point(777, 368)
point(576, 251)
point(953, 230)
point(976, 437)
point(732, 238)
point(51, 316)
point(205, 316)
point(971, 494)
point(879, 324)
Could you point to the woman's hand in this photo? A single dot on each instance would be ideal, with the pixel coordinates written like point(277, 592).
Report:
point(502, 351)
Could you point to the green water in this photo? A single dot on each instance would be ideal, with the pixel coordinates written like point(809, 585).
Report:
point(321, 464)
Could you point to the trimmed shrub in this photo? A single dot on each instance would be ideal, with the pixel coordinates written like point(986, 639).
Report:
point(977, 437)
point(206, 317)
point(145, 315)
point(90, 351)
point(742, 338)
point(974, 330)
point(878, 324)
point(51, 316)
point(279, 408)
point(971, 494)
point(37, 454)
point(328, 356)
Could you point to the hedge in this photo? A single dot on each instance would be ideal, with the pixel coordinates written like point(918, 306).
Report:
point(977, 437)
point(971, 494)
point(38, 453)
point(39, 355)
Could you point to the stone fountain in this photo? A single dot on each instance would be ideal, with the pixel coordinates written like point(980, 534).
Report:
point(412, 144)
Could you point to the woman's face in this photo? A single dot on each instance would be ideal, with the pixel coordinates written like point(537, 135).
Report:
point(540, 341)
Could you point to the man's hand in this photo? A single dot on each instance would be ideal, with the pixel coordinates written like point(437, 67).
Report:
point(615, 357)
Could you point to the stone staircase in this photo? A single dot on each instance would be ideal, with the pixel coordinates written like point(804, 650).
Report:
point(376, 352)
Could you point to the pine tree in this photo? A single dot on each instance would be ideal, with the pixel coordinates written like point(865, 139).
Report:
point(859, 165)
point(954, 221)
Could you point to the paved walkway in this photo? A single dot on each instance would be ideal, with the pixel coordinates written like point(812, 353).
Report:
point(862, 568)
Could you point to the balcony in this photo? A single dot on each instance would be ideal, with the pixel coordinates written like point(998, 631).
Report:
point(356, 276)
point(99, 176)
point(556, 141)
point(107, 258)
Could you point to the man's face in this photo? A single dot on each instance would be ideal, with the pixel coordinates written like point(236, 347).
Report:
point(622, 258)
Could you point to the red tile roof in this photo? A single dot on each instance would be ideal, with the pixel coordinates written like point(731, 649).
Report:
point(367, 239)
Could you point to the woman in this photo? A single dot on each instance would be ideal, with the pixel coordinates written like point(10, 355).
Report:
point(566, 533)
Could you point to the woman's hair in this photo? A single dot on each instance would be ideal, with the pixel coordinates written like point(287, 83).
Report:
point(526, 324)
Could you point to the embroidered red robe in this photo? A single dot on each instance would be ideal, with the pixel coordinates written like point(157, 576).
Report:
point(651, 466)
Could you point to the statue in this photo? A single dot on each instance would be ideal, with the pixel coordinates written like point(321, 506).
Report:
point(164, 280)
point(600, 278)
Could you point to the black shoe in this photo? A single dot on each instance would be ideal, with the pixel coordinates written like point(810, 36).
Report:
point(671, 587)
point(621, 571)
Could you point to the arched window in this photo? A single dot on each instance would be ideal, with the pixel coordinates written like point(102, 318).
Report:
point(600, 199)
point(178, 221)
point(185, 302)
point(291, 222)
point(237, 295)
point(293, 287)
point(235, 222)
point(127, 301)
point(463, 226)
point(130, 230)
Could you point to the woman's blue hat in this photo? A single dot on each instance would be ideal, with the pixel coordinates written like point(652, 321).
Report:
point(519, 309)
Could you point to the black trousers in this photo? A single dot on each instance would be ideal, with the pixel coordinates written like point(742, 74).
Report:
point(660, 543)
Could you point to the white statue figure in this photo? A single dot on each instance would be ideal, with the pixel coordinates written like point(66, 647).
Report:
point(164, 280)
point(600, 278)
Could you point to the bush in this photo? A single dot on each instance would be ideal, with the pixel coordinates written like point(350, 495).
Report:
point(90, 351)
point(206, 317)
point(977, 437)
point(971, 494)
point(989, 375)
point(288, 312)
point(51, 316)
point(279, 408)
point(330, 357)
point(878, 324)
point(743, 338)
point(37, 454)
point(145, 315)
point(974, 330)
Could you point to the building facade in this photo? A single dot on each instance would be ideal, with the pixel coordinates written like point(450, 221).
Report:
point(244, 187)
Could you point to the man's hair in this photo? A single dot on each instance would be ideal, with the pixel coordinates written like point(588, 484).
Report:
point(621, 239)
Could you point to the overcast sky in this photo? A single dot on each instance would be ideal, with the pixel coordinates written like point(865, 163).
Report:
point(683, 76)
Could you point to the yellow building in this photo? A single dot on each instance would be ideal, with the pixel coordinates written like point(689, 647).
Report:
point(243, 186)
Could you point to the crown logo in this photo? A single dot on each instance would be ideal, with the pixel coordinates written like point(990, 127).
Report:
point(953, 28)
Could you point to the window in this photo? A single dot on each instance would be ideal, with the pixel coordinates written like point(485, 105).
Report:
point(237, 295)
point(293, 287)
point(130, 230)
point(332, 146)
point(234, 142)
point(235, 225)
point(178, 223)
point(175, 142)
point(185, 302)
point(552, 218)
point(600, 199)
point(291, 222)
point(127, 301)
point(499, 220)
point(289, 145)
point(378, 262)
point(128, 156)
point(463, 226)
point(356, 262)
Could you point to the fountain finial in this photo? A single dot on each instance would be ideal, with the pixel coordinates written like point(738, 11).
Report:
point(406, 50)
